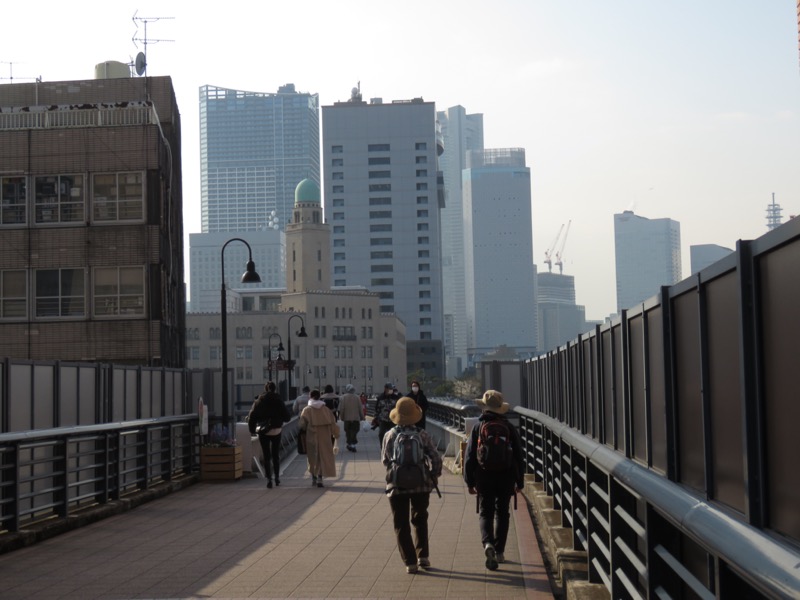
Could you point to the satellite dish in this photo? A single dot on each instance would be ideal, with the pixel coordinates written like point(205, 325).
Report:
point(140, 64)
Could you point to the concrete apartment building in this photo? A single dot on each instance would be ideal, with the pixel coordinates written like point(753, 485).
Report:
point(383, 197)
point(91, 221)
point(647, 254)
point(349, 339)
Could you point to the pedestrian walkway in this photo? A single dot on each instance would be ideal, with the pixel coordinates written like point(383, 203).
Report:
point(242, 540)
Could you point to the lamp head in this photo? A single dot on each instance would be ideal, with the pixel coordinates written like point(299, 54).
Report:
point(280, 346)
point(250, 275)
point(302, 332)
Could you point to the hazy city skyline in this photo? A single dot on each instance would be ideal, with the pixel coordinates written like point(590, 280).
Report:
point(689, 111)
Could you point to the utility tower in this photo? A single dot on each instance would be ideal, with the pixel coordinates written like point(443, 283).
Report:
point(774, 217)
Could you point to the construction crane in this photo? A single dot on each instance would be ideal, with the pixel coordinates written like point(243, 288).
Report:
point(560, 251)
point(548, 254)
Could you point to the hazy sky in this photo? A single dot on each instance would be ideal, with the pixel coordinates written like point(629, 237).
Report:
point(688, 109)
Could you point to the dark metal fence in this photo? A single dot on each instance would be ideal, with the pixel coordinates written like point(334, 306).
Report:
point(55, 473)
point(668, 437)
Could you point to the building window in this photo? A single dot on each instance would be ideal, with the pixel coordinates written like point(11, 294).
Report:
point(339, 270)
point(424, 280)
point(382, 268)
point(380, 201)
point(337, 162)
point(340, 282)
point(117, 197)
point(422, 172)
point(421, 146)
point(422, 227)
point(424, 267)
point(13, 294)
point(379, 160)
point(380, 241)
point(424, 308)
point(423, 253)
point(425, 321)
point(424, 293)
point(214, 352)
point(338, 256)
point(422, 160)
point(338, 229)
point(338, 189)
point(422, 214)
point(338, 216)
point(60, 293)
point(421, 187)
point(380, 214)
point(379, 174)
point(338, 243)
point(338, 202)
point(422, 199)
point(12, 200)
point(425, 335)
point(337, 175)
point(378, 147)
point(380, 187)
point(118, 291)
point(386, 295)
point(59, 199)
point(336, 149)
point(381, 254)
point(422, 240)
point(382, 281)
point(387, 308)
point(380, 228)
point(214, 333)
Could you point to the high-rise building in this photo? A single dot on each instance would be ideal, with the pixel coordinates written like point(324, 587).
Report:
point(560, 319)
point(254, 148)
point(498, 243)
point(648, 256)
point(91, 220)
point(704, 255)
point(383, 199)
point(461, 133)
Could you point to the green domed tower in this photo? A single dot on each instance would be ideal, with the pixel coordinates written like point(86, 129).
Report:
point(308, 242)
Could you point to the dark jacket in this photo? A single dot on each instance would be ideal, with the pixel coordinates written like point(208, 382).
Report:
point(268, 410)
point(422, 402)
point(476, 477)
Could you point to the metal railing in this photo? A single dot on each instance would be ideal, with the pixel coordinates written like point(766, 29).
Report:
point(452, 412)
point(55, 473)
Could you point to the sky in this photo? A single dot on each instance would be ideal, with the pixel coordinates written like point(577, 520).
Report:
point(684, 109)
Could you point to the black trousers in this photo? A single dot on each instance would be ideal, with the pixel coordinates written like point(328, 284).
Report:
point(408, 510)
point(271, 448)
point(494, 517)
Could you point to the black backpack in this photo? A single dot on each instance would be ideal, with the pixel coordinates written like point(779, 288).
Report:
point(408, 469)
point(495, 452)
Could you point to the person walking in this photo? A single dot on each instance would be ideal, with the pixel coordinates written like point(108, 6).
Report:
point(494, 469)
point(363, 399)
point(418, 396)
point(321, 430)
point(331, 400)
point(350, 412)
point(384, 405)
point(409, 500)
point(301, 401)
point(266, 418)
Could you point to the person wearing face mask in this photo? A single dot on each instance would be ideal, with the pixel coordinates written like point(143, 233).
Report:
point(418, 396)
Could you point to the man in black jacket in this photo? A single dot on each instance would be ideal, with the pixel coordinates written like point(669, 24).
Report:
point(266, 418)
point(495, 477)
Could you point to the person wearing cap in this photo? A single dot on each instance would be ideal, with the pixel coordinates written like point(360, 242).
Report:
point(494, 488)
point(350, 412)
point(410, 506)
point(419, 397)
point(383, 406)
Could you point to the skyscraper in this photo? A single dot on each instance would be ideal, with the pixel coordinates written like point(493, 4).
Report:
point(498, 243)
point(648, 255)
point(560, 319)
point(254, 149)
point(703, 255)
point(461, 133)
point(383, 200)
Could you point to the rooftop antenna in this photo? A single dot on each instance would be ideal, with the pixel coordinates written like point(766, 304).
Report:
point(11, 74)
point(774, 216)
point(141, 59)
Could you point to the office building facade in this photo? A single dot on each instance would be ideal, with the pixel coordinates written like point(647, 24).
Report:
point(560, 319)
point(498, 243)
point(91, 222)
point(383, 199)
point(648, 256)
point(704, 255)
point(461, 132)
point(254, 149)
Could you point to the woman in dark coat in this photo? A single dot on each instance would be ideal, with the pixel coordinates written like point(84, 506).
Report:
point(418, 396)
point(266, 418)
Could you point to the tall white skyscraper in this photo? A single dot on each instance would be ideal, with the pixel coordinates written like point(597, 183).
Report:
point(383, 200)
point(648, 255)
point(498, 242)
point(254, 149)
point(461, 133)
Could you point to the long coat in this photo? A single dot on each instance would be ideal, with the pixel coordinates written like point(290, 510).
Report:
point(321, 427)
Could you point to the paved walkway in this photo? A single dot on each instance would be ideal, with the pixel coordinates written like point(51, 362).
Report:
point(241, 540)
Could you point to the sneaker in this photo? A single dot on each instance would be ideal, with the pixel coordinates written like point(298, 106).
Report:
point(319, 482)
point(411, 569)
point(313, 480)
point(491, 557)
point(501, 557)
point(269, 483)
point(424, 563)
point(277, 482)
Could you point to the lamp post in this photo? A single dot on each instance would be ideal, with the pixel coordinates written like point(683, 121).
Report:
point(269, 353)
point(249, 276)
point(306, 372)
point(320, 374)
point(301, 333)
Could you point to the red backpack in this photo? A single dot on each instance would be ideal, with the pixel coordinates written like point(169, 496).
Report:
point(495, 452)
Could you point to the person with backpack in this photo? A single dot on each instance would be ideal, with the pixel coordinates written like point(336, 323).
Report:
point(413, 467)
point(266, 418)
point(494, 469)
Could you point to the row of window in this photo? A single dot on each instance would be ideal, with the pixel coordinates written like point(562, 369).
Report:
point(69, 199)
point(246, 352)
point(338, 149)
point(63, 293)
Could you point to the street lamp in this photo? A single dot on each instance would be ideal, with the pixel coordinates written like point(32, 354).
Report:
point(301, 333)
point(322, 373)
point(269, 353)
point(249, 276)
point(306, 372)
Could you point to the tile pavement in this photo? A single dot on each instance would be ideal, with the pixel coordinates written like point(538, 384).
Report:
point(242, 540)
